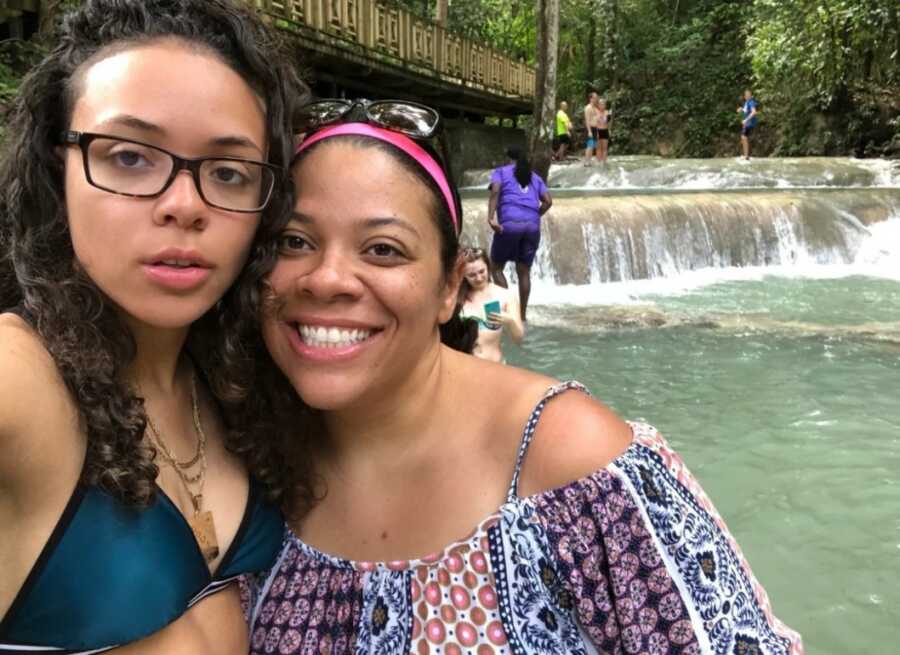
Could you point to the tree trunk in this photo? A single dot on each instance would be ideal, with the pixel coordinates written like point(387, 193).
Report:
point(591, 52)
point(545, 85)
point(608, 10)
point(441, 10)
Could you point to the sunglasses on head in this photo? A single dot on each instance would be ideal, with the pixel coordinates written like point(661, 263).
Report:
point(409, 118)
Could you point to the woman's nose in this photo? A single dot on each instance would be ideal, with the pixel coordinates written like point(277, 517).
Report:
point(331, 276)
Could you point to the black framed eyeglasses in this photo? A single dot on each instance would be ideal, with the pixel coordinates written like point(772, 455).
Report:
point(140, 170)
point(410, 118)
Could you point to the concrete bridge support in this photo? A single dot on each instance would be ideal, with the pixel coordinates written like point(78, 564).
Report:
point(477, 145)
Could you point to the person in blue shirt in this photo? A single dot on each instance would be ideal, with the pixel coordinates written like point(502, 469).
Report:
point(748, 110)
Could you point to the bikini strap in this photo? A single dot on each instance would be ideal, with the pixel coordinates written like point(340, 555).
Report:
point(530, 427)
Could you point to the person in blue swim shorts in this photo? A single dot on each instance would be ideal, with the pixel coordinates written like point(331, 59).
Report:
point(518, 199)
point(749, 113)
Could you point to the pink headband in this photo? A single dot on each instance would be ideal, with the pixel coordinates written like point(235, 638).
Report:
point(398, 140)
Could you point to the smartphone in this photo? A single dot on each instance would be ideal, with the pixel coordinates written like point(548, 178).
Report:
point(492, 307)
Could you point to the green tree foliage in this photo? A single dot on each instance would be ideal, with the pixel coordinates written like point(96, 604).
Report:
point(16, 57)
point(827, 72)
point(830, 70)
point(670, 71)
point(508, 25)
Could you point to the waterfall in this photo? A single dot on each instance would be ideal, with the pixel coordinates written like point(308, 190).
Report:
point(643, 173)
point(590, 238)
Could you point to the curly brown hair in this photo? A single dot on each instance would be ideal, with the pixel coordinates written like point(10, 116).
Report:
point(75, 320)
point(278, 435)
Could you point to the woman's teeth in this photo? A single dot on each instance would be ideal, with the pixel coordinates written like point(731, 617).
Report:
point(331, 337)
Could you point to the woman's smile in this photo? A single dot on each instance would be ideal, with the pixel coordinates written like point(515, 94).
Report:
point(329, 340)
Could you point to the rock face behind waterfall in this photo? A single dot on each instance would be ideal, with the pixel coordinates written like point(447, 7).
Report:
point(594, 238)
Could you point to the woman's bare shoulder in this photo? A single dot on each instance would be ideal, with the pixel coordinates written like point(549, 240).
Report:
point(22, 355)
point(32, 396)
point(20, 344)
point(575, 436)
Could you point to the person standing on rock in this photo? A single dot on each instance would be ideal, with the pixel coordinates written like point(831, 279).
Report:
point(748, 123)
point(590, 126)
point(563, 132)
point(518, 199)
point(603, 117)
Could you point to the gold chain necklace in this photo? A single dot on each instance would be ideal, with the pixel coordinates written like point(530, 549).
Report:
point(201, 442)
point(201, 523)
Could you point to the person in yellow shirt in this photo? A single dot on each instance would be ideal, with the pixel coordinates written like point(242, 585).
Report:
point(563, 134)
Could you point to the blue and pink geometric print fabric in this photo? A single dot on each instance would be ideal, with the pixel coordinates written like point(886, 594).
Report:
point(633, 558)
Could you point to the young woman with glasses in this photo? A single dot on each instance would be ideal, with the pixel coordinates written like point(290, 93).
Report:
point(438, 502)
point(145, 155)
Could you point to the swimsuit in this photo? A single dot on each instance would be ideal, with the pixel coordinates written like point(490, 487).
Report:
point(602, 133)
point(483, 323)
point(111, 574)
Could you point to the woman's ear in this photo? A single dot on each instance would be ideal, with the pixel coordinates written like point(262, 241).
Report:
point(450, 292)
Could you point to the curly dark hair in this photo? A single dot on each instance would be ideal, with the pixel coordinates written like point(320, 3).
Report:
point(277, 433)
point(75, 320)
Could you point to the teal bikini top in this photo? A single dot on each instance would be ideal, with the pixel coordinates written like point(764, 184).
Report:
point(483, 324)
point(112, 574)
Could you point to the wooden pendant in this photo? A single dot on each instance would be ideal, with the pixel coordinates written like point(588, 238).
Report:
point(204, 529)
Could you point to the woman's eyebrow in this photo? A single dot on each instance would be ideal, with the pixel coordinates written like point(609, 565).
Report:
point(390, 221)
point(367, 223)
point(234, 140)
point(133, 122)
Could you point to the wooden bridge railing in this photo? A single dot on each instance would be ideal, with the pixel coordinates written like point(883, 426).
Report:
point(401, 38)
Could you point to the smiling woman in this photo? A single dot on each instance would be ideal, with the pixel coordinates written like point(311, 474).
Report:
point(147, 150)
point(441, 503)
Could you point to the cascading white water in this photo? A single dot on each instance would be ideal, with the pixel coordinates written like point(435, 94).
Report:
point(590, 239)
point(879, 252)
point(643, 173)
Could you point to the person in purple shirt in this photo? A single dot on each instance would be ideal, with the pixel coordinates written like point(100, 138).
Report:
point(518, 199)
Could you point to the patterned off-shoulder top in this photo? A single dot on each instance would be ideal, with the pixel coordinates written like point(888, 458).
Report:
point(633, 558)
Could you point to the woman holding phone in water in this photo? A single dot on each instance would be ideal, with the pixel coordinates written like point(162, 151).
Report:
point(494, 308)
point(441, 503)
point(143, 153)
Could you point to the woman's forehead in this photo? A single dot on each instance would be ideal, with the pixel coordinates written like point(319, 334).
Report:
point(342, 158)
